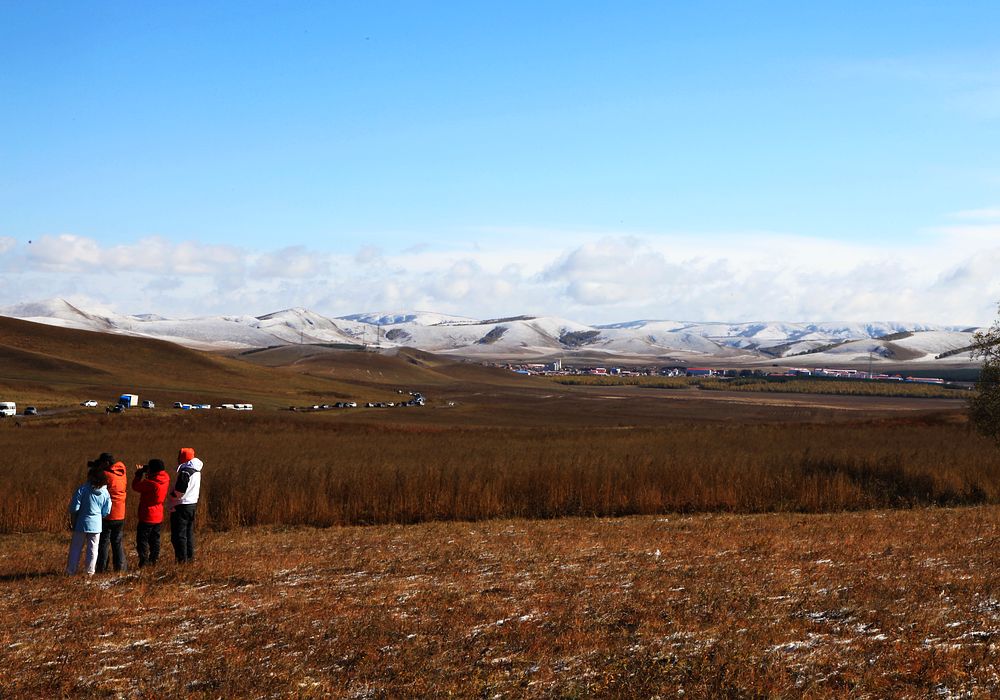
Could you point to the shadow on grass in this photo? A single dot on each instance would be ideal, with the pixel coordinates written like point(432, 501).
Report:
point(30, 575)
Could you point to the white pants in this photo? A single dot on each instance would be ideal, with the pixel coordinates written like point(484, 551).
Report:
point(90, 539)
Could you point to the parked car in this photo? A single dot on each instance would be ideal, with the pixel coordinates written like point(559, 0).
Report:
point(148, 404)
point(89, 403)
point(31, 411)
point(117, 408)
point(178, 404)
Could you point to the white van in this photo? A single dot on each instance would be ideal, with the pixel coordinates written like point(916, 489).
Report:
point(8, 408)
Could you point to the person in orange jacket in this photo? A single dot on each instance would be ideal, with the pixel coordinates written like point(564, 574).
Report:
point(151, 481)
point(114, 523)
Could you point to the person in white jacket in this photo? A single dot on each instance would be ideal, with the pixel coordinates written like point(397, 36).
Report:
point(183, 504)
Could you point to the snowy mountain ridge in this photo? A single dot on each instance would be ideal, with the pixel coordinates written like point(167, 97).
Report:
point(526, 337)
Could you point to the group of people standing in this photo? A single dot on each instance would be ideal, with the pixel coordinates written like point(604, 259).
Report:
point(97, 512)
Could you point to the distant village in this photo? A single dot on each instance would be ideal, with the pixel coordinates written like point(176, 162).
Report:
point(556, 368)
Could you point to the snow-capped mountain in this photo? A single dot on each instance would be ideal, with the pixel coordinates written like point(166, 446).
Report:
point(525, 337)
point(805, 336)
point(296, 325)
point(420, 318)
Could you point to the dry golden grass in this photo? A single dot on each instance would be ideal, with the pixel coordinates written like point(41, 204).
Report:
point(293, 469)
point(872, 604)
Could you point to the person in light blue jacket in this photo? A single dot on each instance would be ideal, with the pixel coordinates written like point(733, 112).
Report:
point(90, 505)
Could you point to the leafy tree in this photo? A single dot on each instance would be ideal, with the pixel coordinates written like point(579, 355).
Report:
point(984, 407)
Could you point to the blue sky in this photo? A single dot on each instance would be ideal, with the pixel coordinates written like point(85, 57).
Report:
point(458, 156)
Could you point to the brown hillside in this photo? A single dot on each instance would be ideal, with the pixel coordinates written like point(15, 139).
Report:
point(406, 367)
point(23, 364)
point(70, 362)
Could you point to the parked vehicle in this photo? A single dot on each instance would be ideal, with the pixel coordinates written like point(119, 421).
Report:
point(31, 411)
point(178, 404)
point(8, 408)
point(148, 404)
point(128, 400)
point(117, 408)
point(90, 403)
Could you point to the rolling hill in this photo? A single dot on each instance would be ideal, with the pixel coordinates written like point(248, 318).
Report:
point(50, 363)
point(527, 337)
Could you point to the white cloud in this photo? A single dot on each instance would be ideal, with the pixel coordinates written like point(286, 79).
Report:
point(368, 254)
point(612, 271)
point(154, 255)
point(984, 233)
point(65, 252)
point(947, 276)
point(295, 262)
point(987, 214)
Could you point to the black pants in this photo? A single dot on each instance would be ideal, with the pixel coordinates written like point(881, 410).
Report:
point(147, 543)
point(182, 531)
point(111, 542)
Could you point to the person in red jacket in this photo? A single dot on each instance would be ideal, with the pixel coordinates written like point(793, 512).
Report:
point(111, 533)
point(151, 481)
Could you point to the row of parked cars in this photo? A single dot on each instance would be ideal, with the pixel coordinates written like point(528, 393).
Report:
point(392, 404)
point(9, 408)
point(416, 399)
point(326, 406)
point(207, 406)
point(121, 406)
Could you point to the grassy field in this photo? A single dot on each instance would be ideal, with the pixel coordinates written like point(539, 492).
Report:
point(514, 538)
point(872, 604)
point(783, 385)
point(317, 469)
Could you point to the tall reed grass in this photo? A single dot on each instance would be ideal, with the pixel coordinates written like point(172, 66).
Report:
point(291, 470)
